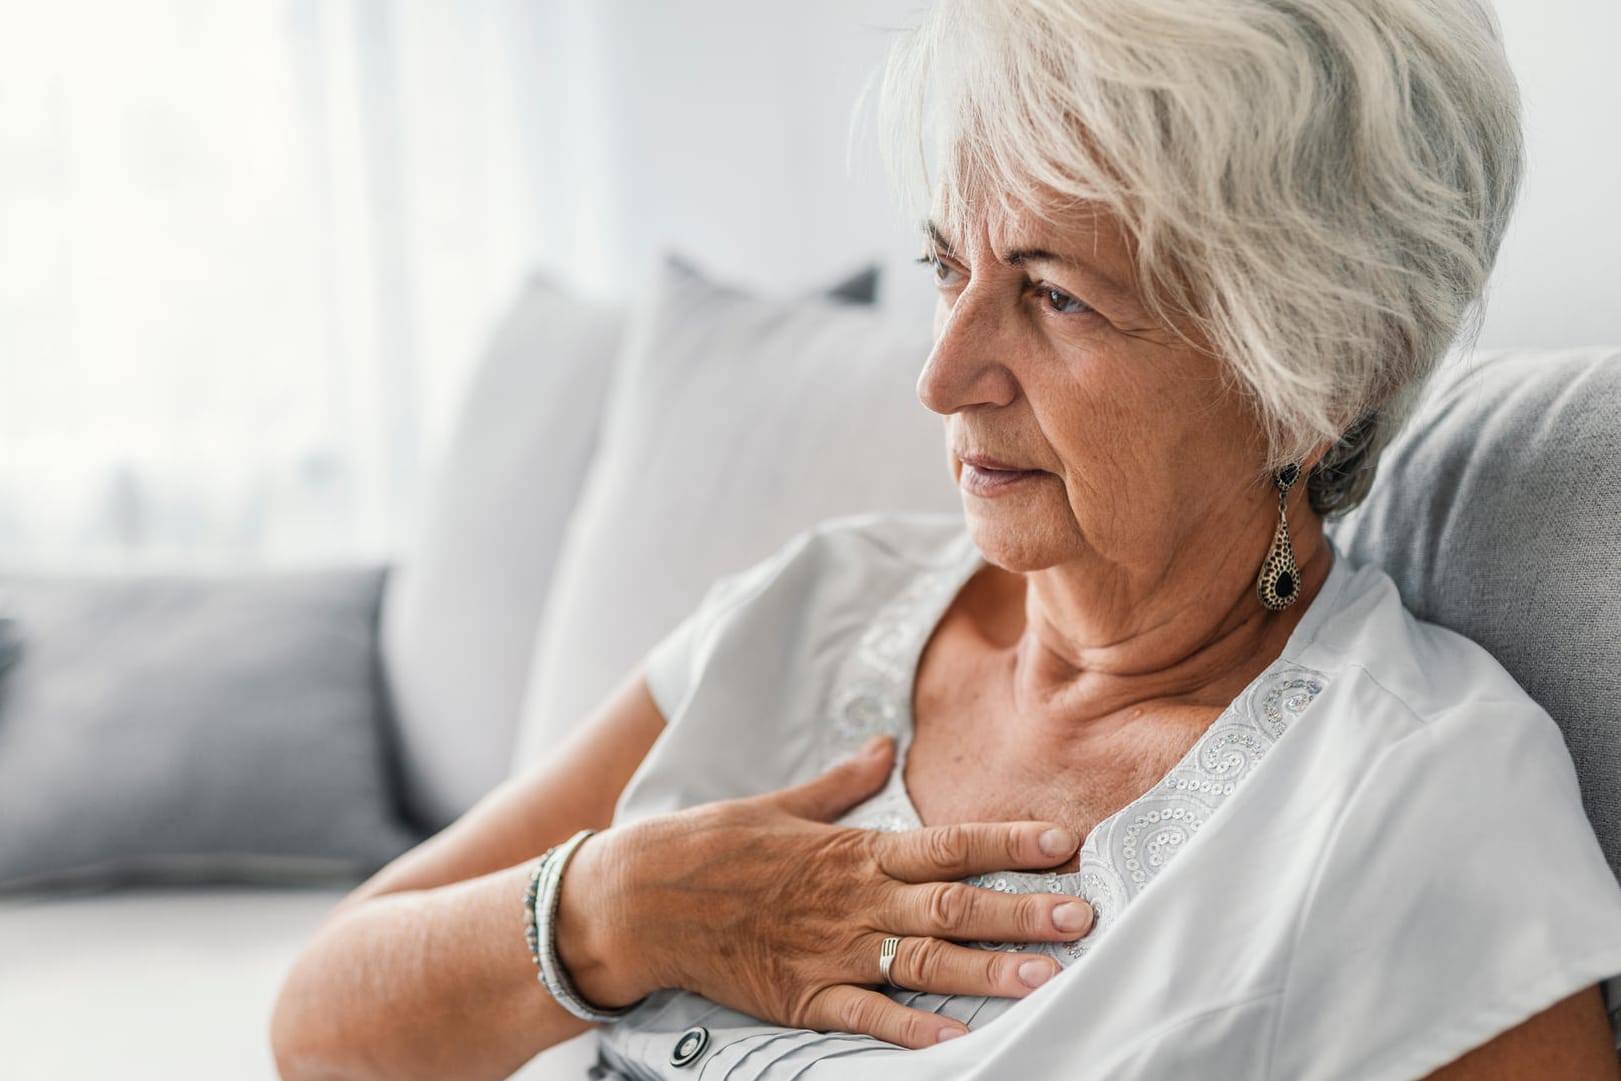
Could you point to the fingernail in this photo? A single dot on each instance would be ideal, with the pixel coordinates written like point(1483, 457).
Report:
point(871, 748)
point(1057, 842)
point(1035, 973)
point(950, 1034)
point(1072, 916)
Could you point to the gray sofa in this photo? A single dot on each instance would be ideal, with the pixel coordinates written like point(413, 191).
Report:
point(607, 465)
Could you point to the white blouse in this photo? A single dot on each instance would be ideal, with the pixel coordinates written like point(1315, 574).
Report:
point(1374, 860)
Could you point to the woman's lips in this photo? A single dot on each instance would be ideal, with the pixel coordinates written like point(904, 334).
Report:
point(979, 480)
point(987, 463)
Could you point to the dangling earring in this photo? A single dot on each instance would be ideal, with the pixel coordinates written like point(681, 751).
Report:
point(1279, 581)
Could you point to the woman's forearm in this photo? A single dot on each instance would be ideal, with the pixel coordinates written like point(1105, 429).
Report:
point(429, 983)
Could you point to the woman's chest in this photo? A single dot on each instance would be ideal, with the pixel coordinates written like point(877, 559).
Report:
point(972, 759)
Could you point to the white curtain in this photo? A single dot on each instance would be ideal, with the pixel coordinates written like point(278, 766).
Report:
point(247, 252)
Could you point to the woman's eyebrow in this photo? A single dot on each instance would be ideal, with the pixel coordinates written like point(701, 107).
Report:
point(1108, 285)
point(937, 238)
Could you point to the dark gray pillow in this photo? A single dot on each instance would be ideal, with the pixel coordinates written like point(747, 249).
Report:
point(859, 288)
point(161, 729)
point(1498, 514)
point(8, 645)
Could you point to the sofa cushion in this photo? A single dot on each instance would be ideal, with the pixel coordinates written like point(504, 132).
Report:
point(1498, 514)
point(733, 423)
point(173, 984)
point(460, 611)
point(164, 728)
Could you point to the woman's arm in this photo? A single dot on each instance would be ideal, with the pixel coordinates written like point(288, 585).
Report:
point(422, 970)
point(1569, 1041)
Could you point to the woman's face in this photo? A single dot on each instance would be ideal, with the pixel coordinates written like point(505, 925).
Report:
point(1045, 358)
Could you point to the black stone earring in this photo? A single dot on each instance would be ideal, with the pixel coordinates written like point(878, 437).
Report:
point(1279, 581)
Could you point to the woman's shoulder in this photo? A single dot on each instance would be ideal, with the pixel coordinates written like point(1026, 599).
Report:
point(864, 555)
point(748, 681)
point(918, 539)
point(1367, 636)
point(1456, 859)
point(1435, 738)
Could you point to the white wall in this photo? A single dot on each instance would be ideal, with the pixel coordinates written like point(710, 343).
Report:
point(1558, 279)
point(720, 128)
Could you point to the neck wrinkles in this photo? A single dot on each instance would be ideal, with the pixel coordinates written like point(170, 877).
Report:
point(1202, 647)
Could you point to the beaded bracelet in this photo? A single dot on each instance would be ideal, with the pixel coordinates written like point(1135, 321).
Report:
point(531, 933)
point(540, 900)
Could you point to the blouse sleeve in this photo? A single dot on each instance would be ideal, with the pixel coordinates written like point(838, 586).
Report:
point(671, 665)
point(667, 666)
point(1464, 891)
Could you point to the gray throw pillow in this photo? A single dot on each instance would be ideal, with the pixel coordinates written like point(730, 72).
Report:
point(1498, 514)
point(166, 728)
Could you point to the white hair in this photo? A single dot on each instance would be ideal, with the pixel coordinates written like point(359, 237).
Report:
point(1317, 188)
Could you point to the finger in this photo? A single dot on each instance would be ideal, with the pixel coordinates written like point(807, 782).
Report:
point(940, 853)
point(945, 968)
point(968, 913)
point(844, 1008)
point(828, 796)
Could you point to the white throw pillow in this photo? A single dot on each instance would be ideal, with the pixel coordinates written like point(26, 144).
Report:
point(461, 607)
point(733, 423)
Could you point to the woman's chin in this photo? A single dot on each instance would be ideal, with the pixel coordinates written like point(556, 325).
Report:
point(1015, 539)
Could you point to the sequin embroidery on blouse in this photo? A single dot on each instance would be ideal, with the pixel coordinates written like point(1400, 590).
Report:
point(871, 681)
point(1124, 852)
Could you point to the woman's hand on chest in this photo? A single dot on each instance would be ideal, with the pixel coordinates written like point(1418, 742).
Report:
point(761, 905)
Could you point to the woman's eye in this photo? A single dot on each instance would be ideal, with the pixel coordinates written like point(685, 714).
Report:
point(939, 268)
point(1063, 303)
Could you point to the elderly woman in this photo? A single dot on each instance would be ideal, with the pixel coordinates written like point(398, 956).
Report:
point(1173, 790)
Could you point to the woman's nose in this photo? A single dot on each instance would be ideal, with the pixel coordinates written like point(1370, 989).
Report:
point(967, 365)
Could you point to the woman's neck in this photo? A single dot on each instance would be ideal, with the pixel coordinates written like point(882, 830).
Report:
point(1083, 660)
